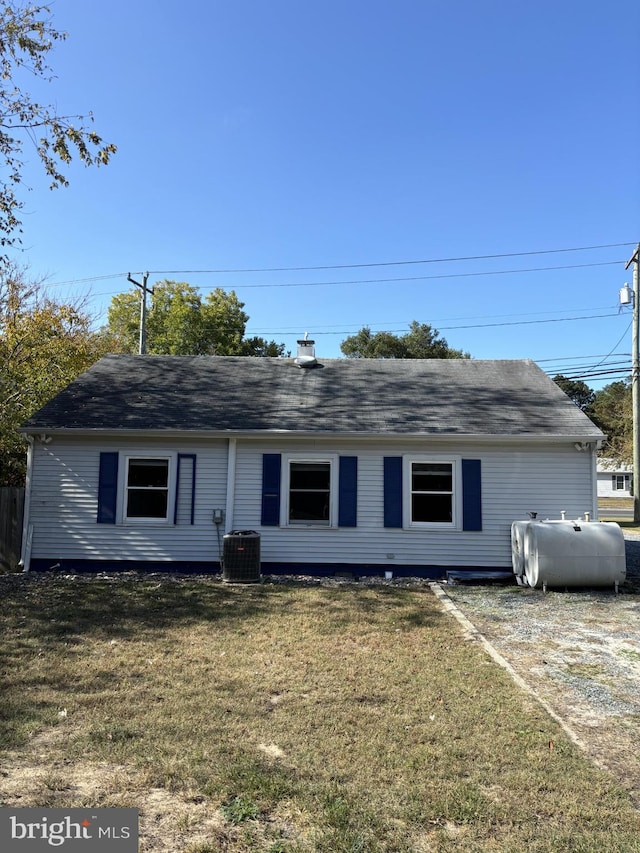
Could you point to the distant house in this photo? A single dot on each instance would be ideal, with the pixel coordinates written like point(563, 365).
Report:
point(615, 479)
point(408, 466)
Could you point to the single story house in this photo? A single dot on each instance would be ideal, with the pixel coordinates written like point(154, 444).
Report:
point(405, 466)
point(615, 479)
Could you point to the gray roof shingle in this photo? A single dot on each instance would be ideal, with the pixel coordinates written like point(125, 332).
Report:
point(357, 396)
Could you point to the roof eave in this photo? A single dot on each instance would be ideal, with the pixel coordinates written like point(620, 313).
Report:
point(485, 438)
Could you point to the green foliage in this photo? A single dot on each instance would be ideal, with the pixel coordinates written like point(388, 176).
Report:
point(611, 410)
point(240, 809)
point(27, 37)
point(180, 322)
point(44, 345)
point(259, 348)
point(576, 390)
point(421, 341)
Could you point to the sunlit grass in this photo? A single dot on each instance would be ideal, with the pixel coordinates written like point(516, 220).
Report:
point(305, 718)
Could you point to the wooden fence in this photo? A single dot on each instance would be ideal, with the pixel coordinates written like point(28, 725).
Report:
point(11, 511)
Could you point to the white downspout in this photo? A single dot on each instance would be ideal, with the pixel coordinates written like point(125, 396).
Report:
point(27, 529)
point(594, 481)
point(231, 485)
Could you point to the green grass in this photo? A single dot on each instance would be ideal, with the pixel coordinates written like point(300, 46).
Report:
point(288, 718)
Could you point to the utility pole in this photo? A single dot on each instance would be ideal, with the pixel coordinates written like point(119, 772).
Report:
point(635, 380)
point(142, 347)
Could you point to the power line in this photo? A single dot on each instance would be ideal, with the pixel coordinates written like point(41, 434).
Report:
point(91, 279)
point(620, 339)
point(591, 368)
point(467, 326)
point(385, 280)
point(417, 277)
point(562, 358)
point(394, 263)
point(609, 374)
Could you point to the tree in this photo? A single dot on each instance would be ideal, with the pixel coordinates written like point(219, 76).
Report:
point(259, 348)
point(27, 36)
point(611, 410)
point(576, 390)
point(421, 341)
point(180, 322)
point(44, 345)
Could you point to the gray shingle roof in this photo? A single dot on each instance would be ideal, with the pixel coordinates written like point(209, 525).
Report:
point(357, 396)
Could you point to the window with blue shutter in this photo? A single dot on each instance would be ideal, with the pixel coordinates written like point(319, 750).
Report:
point(432, 492)
point(107, 488)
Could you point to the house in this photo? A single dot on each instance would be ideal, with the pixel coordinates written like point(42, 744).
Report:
point(615, 479)
point(405, 466)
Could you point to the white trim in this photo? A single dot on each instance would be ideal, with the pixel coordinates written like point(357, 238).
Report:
point(408, 459)
point(231, 484)
point(594, 483)
point(332, 460)
point(198, 434)
point(123, 487)
point(27, 530)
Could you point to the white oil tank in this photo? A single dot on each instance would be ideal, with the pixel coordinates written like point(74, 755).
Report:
point(518, 529)
point(574, 553)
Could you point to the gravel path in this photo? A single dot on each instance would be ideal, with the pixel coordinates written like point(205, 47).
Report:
point(579, 651)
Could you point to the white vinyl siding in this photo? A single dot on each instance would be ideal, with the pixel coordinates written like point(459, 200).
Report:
point(516, 479)
point(614, 484)
point(65, 498)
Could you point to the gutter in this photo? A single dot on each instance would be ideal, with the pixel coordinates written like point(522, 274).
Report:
point(486, 438)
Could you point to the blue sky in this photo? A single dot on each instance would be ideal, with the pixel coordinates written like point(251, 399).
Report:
point(257, 135)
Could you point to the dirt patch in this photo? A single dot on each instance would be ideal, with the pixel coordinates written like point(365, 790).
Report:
point(33, 777)
point(579, 651)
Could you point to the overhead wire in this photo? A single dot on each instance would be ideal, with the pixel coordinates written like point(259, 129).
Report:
point(461, 258)
point(465, 326)
point(396, 263)
point(586, 371)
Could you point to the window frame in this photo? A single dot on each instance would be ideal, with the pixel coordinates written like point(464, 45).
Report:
point(170, 459)
point(456, 491)
point(621, 482)
point(309, 458)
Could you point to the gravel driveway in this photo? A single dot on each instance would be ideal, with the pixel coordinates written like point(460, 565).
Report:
point(579, 651)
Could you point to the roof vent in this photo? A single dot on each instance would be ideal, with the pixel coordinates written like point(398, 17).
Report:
point(306, 353)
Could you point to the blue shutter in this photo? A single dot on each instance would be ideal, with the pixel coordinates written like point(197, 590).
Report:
point(348, 492)
point(393, 491)
point(471, 495)
point(108, 488)
point(271, 465)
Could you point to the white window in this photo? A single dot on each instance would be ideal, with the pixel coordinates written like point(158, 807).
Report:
point(309, 486)
point(432, 492)
point(147, 489)
point(620, 482)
